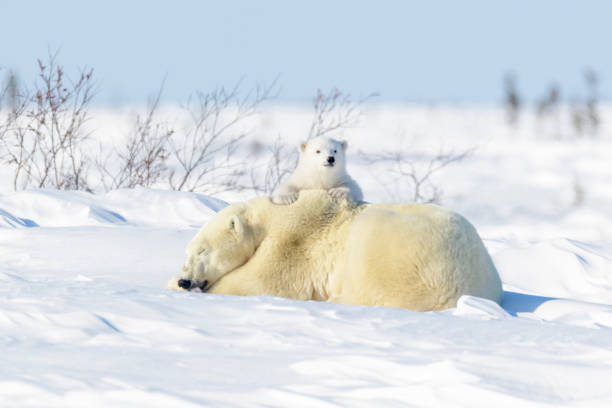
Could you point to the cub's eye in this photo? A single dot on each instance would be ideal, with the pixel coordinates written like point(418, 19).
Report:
point(203, 251)
point(318, 151)
point(335, 151)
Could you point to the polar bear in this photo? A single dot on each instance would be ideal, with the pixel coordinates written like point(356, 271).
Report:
point(416, 256)
point(321, 165)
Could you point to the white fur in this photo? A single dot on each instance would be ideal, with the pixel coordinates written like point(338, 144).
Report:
point(417, 256)
point(314, 171)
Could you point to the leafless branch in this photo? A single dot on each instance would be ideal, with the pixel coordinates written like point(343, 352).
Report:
point(142, 160)
point(413, 173)
point(17, 148)
point(585, 114)
point(512, 99)
point(335, 110)
point(43, 133)
point(281, 163)
point(206, 151)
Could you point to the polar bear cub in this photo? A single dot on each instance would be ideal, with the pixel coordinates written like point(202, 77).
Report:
point(321, 165)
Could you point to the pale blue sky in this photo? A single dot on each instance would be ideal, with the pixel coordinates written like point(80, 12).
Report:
point(414, 51)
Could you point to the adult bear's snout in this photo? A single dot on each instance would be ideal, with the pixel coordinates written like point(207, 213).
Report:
point(331, 160)
point(184, 283)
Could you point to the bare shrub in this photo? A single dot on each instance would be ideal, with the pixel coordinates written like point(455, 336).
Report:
point(142, 160)
point(16, 147)
point(512, 99)
point(43, 133)
point(409, 177)
point(11, 92)
point(205, 151)
point(548, 109)
point(585, 114)
point(58, 116)
point(549, 103)
point(281, 163)
point(335, 110)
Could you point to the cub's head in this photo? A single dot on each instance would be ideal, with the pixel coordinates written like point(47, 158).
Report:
point(324, 152)
point(222, 245)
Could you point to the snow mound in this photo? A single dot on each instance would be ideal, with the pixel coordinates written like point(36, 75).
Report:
point(570, 312)
point(52, 208)
point(9, 220)
point(560, 268)
point(163, 208)
point(141, 207)
point(479, 307)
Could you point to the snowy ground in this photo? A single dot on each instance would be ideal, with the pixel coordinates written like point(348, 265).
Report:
point(85, 319)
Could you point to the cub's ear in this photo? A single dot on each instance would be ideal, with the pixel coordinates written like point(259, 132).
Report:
point(344, 144)
point(236, 225)
point(302, 146)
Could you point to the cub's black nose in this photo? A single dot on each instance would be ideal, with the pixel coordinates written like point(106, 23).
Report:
point(184, 283)
point(331, 159)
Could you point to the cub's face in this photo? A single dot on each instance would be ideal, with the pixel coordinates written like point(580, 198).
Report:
point(324, 152)
point(222, 245)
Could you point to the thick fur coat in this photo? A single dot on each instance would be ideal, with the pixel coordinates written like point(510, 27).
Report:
point(415, 256)
point(321, 165)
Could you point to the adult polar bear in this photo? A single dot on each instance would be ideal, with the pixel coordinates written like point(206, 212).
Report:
point(416, 256)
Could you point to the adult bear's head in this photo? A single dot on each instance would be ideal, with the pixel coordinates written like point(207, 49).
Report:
point(225, 243)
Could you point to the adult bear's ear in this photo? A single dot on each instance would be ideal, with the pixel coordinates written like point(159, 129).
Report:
point(344, 144)
point(236, 225)
point(302, 146)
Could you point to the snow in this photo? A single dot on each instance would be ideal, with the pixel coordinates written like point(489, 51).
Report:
point(86, 320)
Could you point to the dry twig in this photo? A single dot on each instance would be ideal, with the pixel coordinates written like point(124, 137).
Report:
point(206, 151)
point(142, 161)
point(408, 173)
point(43, 134)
